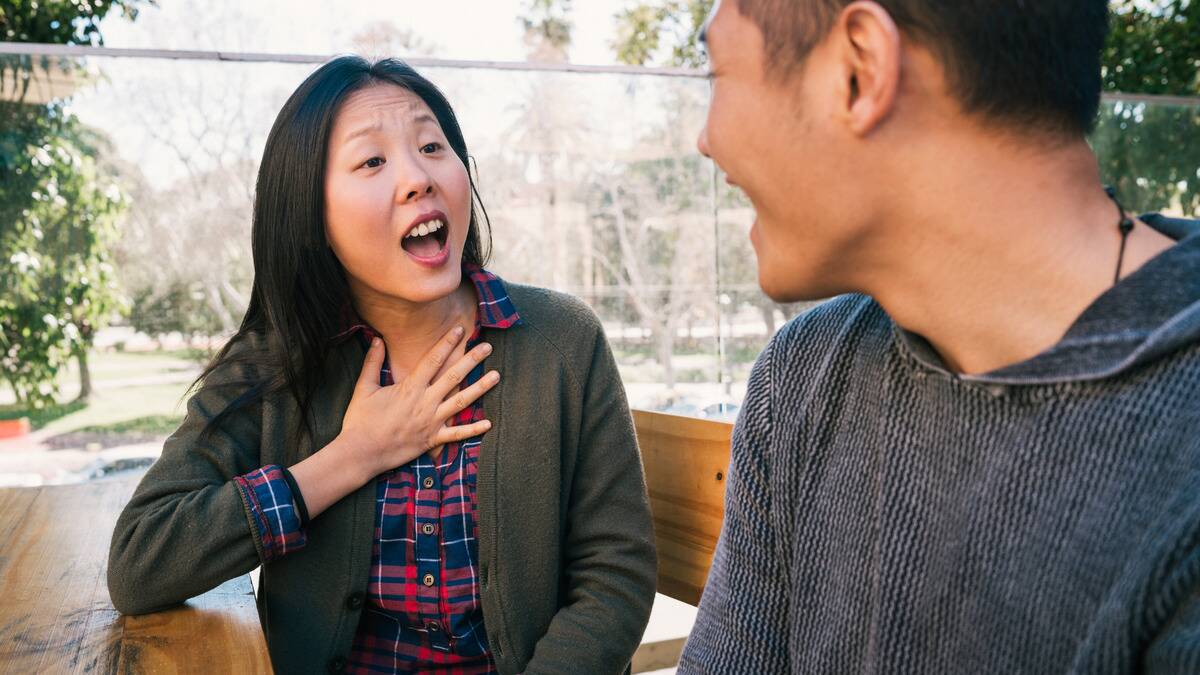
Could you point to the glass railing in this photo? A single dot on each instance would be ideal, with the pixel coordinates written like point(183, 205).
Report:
point(592, 182)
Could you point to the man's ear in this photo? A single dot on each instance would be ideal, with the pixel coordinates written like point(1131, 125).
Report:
point(867, 42)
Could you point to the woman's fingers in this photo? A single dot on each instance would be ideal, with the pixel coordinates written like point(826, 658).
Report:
point(466, 397)
point(368, 379)
point(436, 357)
point(458, 372)
point(461, 433)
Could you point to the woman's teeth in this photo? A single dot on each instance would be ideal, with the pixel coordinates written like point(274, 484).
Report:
point(425, 229)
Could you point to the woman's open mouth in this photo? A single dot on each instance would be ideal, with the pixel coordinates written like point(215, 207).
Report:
point(426, 242)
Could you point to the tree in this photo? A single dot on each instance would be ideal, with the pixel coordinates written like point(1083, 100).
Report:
point(58, 216)
point(1153, 48)
point(57, 208)
point(645, 28)
point(547, 27)
point(384, 38)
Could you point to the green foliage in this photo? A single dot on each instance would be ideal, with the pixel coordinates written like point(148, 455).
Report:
point(57, 223)
point(641, 29)
point(1151, 154)
point(40, 417)
point(1154, 48)
point(177, 308)
point(57, 211)
point(547, 26)
point(63, 22)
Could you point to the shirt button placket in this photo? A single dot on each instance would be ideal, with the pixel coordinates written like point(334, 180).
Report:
point(427, 549)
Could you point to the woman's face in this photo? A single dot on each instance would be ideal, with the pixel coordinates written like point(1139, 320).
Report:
point(397, 198)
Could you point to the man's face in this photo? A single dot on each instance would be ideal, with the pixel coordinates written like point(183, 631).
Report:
point(773, 133)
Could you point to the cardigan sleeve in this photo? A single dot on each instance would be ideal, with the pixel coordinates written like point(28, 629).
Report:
point(190, 526)
point(609, 558)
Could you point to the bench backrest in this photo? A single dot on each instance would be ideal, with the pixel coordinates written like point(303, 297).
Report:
point(686, 460)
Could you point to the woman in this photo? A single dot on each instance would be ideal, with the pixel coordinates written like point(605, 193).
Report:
point(409, 511)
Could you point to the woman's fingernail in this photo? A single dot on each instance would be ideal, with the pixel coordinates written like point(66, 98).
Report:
point(458, 330)
point(487, 348)
point(487, 424)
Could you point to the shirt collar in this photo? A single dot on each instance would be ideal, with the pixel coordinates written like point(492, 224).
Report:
point(495, 310)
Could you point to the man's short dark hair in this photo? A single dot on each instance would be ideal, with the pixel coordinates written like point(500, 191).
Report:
point(1029, 63)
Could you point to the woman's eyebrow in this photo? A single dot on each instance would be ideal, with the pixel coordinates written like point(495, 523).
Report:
point(362, 131)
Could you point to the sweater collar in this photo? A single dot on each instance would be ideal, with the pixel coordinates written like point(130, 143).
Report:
point(1148, 314)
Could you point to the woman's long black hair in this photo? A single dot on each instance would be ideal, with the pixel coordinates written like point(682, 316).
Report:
point(300, 294)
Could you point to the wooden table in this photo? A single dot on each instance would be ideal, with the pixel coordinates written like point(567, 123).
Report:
point(55, 613)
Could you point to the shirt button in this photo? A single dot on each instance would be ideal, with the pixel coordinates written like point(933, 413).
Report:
point(434, 627)
point(428, 528)
point(355, 601)
point(428, 482)
point(428, 580)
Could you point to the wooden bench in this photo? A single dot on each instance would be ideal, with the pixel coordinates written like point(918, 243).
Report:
point(686, 460)
point(56, 616)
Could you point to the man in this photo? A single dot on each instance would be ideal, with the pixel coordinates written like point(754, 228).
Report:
point(985, 455)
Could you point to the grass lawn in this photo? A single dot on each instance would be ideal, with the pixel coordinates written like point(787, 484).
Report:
point(135, 393)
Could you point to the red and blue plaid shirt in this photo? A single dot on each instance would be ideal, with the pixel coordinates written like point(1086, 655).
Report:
point(422, 611)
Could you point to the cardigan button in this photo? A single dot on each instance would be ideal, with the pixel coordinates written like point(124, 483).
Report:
point(355, 601)
point(337, 665)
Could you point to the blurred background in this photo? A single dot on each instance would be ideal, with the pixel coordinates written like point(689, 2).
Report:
point(128, 172)
point(130, 134)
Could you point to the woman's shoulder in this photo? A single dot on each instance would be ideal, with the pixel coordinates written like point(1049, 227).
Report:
point(556, 311)
point(239, 362)
point(556, 324)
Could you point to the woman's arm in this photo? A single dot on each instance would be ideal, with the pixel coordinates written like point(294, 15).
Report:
point(609, 548)
point(206, 511)
point(187, 528)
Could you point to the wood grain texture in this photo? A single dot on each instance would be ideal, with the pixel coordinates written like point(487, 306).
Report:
point(55, 613)
point(686, 461)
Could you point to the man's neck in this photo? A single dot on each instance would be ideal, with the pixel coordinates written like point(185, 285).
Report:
point(1007, 248)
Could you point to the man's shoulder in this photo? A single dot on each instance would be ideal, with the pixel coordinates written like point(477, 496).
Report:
point(841, 342)
point(852, 324)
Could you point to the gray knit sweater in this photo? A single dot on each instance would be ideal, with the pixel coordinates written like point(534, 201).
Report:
point(886, 516)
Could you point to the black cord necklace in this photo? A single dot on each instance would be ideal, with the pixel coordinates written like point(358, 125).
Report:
point(1124, 225)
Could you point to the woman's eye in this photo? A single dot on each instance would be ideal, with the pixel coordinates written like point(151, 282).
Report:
point(374, 162)
point(431, 147)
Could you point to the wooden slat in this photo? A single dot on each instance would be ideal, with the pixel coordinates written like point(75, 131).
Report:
point(56, 615)
point(651, 656)
point(686, 460)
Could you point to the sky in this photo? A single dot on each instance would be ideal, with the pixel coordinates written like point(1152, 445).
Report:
point(455, 29)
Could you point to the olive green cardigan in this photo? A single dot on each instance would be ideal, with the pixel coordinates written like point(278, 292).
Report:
point(566, 550)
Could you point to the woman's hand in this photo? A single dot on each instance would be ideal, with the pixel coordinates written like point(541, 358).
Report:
point(391, 426)
point(387, 427)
